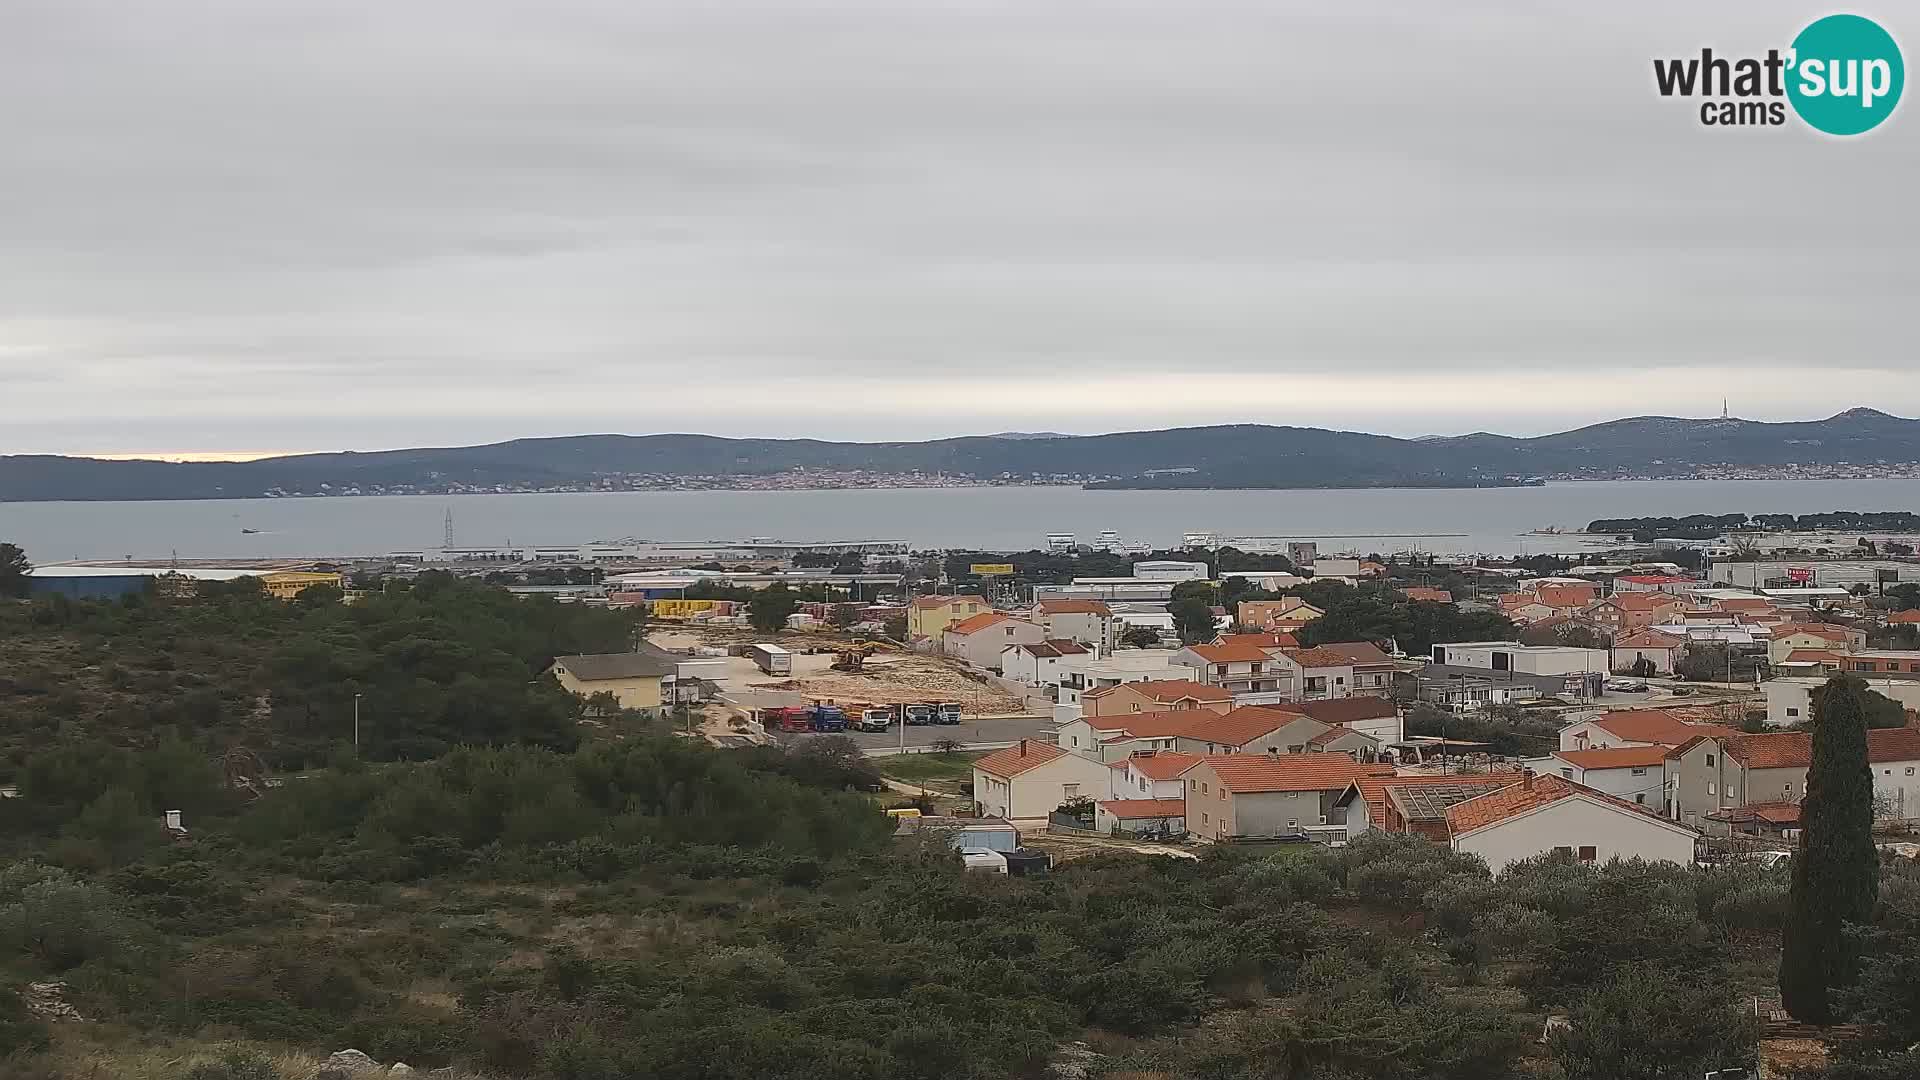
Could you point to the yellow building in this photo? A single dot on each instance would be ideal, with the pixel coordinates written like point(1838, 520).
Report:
point(929, 616)
point(634, 679)
point(287, 584)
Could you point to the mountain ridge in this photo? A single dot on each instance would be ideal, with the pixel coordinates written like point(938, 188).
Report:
point(1213, 456)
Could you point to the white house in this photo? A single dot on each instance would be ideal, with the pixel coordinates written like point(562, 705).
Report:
point(981, 639)
point(1790, 700)
point(1150, 775)
point(1636, 774)
point(1030, 779)
point(1089, 622)
point(1540, 814)
point(1660, 650)
point(1524, 659)
point(1044, 663)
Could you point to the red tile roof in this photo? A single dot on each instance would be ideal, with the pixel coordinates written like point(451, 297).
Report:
point(1321, 657)
point(1021, 757)
point(1778, 813)
point(1643, 601)
point(1249, 773)
point(1054, 647)
point(977, 623)
point(1134, 809)
point(1338, 711)
point(1654, 726)
point(1159, 764)
point(1239, 727)
point(1422, 592)
point(1355, 652)
point(1794, 749)
point(1567, 596)
point(1149, 725)
point(1653, 579)
point(1621, 757)
point(1229, 654)
point(1820, 630)
point(1072, 607)
point(1165, 690)
point(1900, 617)
point(1812, 656)
point(1525, 795)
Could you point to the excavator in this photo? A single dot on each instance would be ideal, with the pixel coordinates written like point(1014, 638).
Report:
point(853, 658)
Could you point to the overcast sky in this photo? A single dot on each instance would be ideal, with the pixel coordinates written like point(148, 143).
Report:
point(233, 226)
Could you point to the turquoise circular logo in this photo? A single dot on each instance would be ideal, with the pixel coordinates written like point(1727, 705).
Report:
point(1847, 75)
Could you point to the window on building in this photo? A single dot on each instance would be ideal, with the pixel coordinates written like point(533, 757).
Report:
point(1709, 761)
point(1793, 712)
point(1639, 772)
point(1223, 794)
point(1641, 798)
point(1563, 850)
point(1588, 853)
point(1710, 788)
point(1568, 773)
point(1909, 770)
point(1204, 819)
point(1070, 790)
point(1204, 789)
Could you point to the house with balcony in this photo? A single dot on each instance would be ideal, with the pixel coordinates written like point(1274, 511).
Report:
point(1241, 669)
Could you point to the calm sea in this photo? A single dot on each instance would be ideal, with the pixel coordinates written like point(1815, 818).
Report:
point(1492, 520)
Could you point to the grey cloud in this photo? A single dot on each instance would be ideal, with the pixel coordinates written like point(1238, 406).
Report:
point(226, 223)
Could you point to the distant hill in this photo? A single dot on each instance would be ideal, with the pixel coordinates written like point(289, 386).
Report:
point(1226, 456)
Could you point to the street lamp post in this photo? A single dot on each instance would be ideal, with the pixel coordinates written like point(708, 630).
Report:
point(356, 724)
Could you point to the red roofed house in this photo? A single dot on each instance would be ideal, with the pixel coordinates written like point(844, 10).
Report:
point(1148, 817)
point(1629, 611)
point(1253, 730)
point(1709, 775)
point(1256, 795)
point(1653, 583)
point(1411, 804)
point(1636, 774)
point(928, 616)
point(1903, 618)
point(1882, 661)
point(1633, 727)
point(1567, 597)
point(1240, 668)
point(1376, 717)
point(1089, 622)
point(1267, 639)
point(1150, 775)
point(1524, 608)
point(981, 639)
point(1810, 662)
point(1155, 695)
point(1031, 779)
point(1263, 614)
point(1112, 738)
point(1787, 638)
point(1660, 650)
point(1537, 815)
point(1342, 669)
point(1426, 594)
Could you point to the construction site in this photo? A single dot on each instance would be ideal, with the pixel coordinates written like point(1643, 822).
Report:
point(831, 668)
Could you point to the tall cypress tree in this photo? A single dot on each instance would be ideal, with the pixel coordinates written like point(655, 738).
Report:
point(1836, 873)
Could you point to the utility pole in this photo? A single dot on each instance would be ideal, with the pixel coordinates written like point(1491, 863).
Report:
point(356, 725)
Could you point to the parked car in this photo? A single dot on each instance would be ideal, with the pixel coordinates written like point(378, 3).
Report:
point(918, 715)
point(949, 712)
point(1626, 686)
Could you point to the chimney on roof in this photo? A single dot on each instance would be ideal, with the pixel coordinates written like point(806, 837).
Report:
point(1023, 748)
point(1526, 779)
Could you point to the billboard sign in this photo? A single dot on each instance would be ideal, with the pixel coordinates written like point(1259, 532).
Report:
point(991, 569)
point(1800, 575)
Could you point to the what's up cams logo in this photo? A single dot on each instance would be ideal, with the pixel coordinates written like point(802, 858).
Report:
point(1842, 75)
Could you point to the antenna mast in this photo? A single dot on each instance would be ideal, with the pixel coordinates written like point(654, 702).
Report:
point(446, 539)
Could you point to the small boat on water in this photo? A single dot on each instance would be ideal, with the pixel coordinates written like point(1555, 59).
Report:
point(249, 532)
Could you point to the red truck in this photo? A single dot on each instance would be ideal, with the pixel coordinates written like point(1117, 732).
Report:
point(790, 718)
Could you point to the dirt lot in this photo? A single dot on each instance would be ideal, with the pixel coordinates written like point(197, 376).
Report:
point(906, 680)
